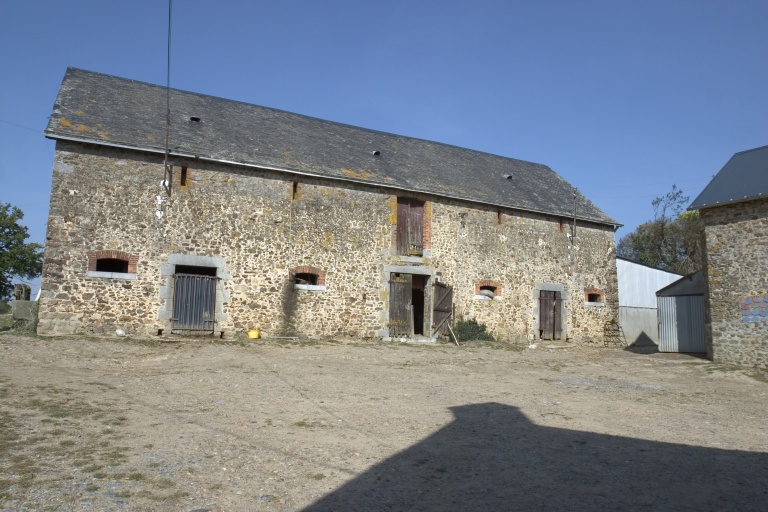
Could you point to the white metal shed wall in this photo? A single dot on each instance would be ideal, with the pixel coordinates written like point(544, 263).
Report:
point(681, 324)
point(638, 284)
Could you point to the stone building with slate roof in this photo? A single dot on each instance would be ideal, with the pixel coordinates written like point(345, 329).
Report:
point(272, 221)
point(734, 211)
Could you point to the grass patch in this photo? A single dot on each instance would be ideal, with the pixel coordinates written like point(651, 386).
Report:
point(116, 456)
point(66, 408)
point(317, 476)
point(307, 424)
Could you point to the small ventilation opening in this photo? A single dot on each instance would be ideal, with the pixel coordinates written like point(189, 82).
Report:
point(194, 119)
point(183, 178)
point(112, 265)
point(376, 152)
point(305, 278)
point(593, 297)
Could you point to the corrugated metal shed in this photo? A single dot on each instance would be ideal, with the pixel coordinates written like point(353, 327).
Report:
point(681, 315)
point(638, 283)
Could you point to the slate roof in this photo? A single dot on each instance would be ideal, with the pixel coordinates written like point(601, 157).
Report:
point(102, 109)
point(743, 178)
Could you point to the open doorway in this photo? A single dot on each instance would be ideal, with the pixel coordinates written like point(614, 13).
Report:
point(407, 301)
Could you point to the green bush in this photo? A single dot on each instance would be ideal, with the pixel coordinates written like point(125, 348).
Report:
point(5, 308)
point(471, 330)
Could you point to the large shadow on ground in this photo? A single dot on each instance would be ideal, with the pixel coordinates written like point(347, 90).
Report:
point(491, 457)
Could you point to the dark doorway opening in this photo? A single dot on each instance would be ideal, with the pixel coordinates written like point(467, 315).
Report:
point(195, 270)
point(407, 298)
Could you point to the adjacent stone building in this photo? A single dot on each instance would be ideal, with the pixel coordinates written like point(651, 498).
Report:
point(257, 218)
point(734, 211)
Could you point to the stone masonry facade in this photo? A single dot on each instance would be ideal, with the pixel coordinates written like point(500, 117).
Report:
point(255, 229)
point(736, 238)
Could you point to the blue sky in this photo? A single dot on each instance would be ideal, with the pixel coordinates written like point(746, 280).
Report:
point(621, 98)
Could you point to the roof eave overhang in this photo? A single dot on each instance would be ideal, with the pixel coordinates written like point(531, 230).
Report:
point(175, 153)
point(727, 203)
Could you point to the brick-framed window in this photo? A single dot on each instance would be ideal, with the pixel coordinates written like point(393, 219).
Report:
point(307, 277)
point(594, 297)
point(112, 264)
point(487, 289)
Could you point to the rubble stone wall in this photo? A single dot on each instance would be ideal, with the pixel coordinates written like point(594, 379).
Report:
point(255, 227)
point(736, 239)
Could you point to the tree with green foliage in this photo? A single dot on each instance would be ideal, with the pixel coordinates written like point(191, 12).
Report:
point(18, 259)
point(671, 241)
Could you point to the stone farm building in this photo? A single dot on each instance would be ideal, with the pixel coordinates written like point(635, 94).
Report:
point(292, 225)
point(734, 211)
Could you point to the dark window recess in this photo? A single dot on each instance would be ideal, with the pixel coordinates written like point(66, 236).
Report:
point(295, 190)
point(195, 270)
point(594, 297)
point(183, 179)
point(305, 278)
point(498, 218)
point(112, 265)
point(410, 227)
point(488, 291)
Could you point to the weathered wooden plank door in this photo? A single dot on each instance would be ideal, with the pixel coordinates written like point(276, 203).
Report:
point(442, 309)
point(194, 304)
point(550, 325)
point(410, 222)
point(400, 307)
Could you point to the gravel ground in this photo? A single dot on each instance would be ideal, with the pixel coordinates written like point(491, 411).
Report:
point(195, 425)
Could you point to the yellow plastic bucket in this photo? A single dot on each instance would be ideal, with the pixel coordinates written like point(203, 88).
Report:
point(254, 334)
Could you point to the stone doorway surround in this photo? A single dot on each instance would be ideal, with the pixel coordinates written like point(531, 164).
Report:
point(168, 269)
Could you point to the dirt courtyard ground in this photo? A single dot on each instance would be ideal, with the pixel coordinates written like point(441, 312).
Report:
point(256, 425)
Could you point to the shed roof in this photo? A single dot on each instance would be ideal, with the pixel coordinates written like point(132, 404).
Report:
point(107, 110)
point(692, 284)
point(743, 178)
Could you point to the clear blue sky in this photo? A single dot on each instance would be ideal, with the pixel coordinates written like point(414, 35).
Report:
point(621, 98)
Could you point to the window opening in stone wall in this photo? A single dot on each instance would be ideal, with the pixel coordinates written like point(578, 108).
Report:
point(488, 291)
point(295, 190)
point(183, 178)
point(305, 278)
point(594, 296)
point(112, 265)
point(498, 218)
point(410, 227)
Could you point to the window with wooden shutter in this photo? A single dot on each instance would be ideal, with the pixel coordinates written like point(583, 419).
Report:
point(410, 227)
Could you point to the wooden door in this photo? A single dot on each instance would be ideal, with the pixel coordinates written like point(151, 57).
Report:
point(442, 309)
point(410, 223)
point(400, 307)
point(550, 315)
